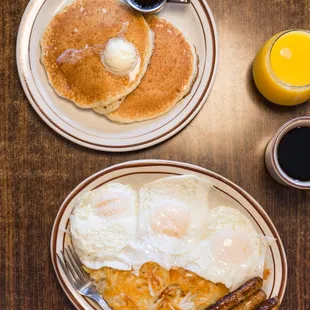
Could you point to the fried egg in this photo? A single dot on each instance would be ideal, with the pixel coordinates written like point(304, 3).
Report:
point(233, 251)
point(168, 222)
point(172, 217)
point(103, 223)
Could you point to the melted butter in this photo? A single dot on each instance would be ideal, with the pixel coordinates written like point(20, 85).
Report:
point(72, 55)
point(62, 5)
point(132, 75)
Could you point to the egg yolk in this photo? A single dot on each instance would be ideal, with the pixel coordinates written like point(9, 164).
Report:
point(173, 222)
point(111, 207)
point(234, 248)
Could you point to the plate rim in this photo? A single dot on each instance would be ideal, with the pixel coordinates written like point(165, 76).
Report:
point(138, 164)
point(23, 51)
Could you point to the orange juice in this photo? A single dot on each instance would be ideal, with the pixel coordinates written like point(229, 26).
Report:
point(281, 69)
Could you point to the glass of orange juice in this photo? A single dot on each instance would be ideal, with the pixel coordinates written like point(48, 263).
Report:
point(281, 68)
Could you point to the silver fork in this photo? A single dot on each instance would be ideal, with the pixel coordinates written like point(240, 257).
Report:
point(72, 266)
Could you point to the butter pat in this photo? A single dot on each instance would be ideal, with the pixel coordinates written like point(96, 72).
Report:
point(119, 56)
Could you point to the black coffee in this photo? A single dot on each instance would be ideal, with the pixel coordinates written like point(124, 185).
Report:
point(294, 153)
point(147, 4)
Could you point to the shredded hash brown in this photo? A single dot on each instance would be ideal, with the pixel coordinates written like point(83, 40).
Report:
point(155, 288)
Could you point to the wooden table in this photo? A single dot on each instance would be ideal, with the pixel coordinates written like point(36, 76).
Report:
point(38, 168)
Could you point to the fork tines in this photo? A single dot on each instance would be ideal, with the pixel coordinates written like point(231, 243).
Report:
point(72, 266)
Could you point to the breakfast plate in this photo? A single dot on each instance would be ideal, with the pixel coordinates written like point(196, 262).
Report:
point(87, 128)
point(136, 174)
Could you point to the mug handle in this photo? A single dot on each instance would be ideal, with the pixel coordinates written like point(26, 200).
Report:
point(180, 1)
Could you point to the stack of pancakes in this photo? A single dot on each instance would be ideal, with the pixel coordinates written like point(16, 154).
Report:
point(72, 46)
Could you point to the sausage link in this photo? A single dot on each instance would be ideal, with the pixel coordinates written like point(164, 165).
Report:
point(269, 304)
point(252, 302)
point(240, 294)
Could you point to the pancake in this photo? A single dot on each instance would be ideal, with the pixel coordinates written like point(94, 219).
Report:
point(169, 78)
point(73, 44)
point(106, 109)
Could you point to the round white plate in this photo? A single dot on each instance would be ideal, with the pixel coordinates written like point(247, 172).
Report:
point(137, 173)
point(90, 129)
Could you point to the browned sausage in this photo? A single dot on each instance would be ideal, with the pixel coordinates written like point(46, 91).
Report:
point(269, 304)
point(252, 302)
point(240, 294)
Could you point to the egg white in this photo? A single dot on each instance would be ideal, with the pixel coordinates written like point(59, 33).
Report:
point(103, 223)
point(171, 225)
point(233, 251)
point(172, 215)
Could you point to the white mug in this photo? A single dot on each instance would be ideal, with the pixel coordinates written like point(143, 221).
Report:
point(271, 154)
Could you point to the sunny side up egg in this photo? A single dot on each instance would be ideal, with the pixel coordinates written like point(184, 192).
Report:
point(172, 217)
point(233, 251)
point(103, 223)
point(168, 222)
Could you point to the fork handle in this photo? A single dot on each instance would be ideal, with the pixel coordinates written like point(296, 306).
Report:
point(99, 300)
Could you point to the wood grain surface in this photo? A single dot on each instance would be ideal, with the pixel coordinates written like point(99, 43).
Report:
point(38, 167)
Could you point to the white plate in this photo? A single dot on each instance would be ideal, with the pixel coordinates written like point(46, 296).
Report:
point(137, 173)
point(86, 127)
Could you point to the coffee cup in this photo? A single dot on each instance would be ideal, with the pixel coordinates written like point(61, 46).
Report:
point(287, 155)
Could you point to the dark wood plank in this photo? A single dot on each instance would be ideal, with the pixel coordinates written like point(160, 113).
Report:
point(39, 168)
